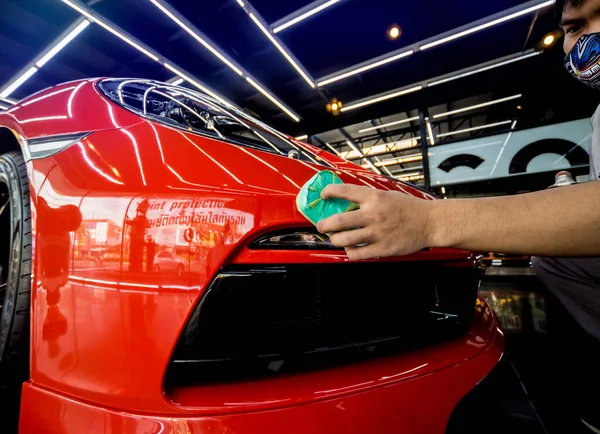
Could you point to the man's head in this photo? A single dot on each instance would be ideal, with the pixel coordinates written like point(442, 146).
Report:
point(580, 20)
point(577, 18)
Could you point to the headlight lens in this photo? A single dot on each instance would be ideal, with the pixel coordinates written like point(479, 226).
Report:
point(195, 112)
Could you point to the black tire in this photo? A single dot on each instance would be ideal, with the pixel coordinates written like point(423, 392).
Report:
point(157, 268)
point(15, 260)
point(180, 270)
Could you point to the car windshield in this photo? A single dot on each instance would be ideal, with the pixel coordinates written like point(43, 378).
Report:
point(191, 110)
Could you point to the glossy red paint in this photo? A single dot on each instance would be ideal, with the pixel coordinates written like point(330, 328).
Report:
point(249, 256)
point(66, 108)
point(109, 301)
point(414, 392)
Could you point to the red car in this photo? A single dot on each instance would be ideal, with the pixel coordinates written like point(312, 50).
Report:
point(265, 328)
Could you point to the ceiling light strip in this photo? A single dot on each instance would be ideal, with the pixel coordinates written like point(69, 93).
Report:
point(473, 27)
point(112, 29)
point(372, 166)
point(303, 137)
point(15, 84)
point(407, 169)
point(195, 33)
point(41, 59)
point(370, 65)
point(410, 175)
point(477, 69)
point(384, 97)
point(430, 135)
point(335, 151)
point(386, 170)
point(354, 147)
point(368, 161)
point(386, 148)
point(273, 99)
point(295, 64)
point(402, 160)
point(107, 25)
point(487, 22)
point(444, 79)
point(203, 40)
point(477, 106)
point(482, 127)
point(63, 43)
point(410, 178)
point(302, 14)
point(378, 127)
point(8, 100)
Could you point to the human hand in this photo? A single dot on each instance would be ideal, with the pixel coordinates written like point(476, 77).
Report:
point(389, 222)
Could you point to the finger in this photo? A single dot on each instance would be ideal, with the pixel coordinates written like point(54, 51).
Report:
point(351, 238)
point(342, 221)
point(370, 251)
point(353, 193)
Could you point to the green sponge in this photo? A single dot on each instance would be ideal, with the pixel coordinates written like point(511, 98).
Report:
point(315, 209)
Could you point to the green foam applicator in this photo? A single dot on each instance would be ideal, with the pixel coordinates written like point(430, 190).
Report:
point(313, 207)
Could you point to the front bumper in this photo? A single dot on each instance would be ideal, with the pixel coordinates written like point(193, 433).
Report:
point(417, 400)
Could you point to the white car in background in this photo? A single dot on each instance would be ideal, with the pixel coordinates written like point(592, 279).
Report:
point(167, 262)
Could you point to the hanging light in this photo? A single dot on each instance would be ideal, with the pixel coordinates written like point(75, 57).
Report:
point(334, 107)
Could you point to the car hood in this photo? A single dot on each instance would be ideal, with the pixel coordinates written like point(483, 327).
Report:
point(192, 161)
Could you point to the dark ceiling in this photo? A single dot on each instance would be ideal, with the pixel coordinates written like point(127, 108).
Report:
point(343, 35)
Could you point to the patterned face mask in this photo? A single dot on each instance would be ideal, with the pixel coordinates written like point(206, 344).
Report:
point(583, 61)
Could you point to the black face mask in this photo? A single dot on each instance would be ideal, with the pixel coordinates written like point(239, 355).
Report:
point(583, 61)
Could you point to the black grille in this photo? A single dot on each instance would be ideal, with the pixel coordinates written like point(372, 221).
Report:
point(259, 319)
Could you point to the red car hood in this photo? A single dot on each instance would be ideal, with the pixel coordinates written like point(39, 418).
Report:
point(208, 163)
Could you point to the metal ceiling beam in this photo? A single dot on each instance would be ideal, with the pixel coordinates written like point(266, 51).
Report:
point(431, 99)
point(436, 40)
point(216, 51)
point(407, 169)
point(390, 133)
point(445, 78)
point(380, 134)
point(42, 57)
point(144, 49)
point(302, 14)
point(8, 101)
point(385, 139)
point(351, 140)
point(276, 42)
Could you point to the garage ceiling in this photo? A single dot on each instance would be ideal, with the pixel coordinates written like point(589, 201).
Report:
point(343, 36)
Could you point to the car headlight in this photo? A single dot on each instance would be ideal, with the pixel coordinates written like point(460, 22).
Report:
point(301, 239)
point(195, 112)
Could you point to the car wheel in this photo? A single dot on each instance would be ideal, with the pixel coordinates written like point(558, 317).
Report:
point(180, 270)
point(15, 270)
point(156, 268)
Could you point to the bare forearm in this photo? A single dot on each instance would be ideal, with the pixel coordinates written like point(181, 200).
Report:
point(559, 222)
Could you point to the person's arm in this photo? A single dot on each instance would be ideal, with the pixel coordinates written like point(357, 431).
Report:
point(563, 221)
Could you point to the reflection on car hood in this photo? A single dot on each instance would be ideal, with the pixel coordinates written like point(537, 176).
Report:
point(197, 161)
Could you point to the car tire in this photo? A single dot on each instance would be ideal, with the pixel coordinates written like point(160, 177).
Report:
point(180, 270)
point(157, 268)
point(15, 260)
